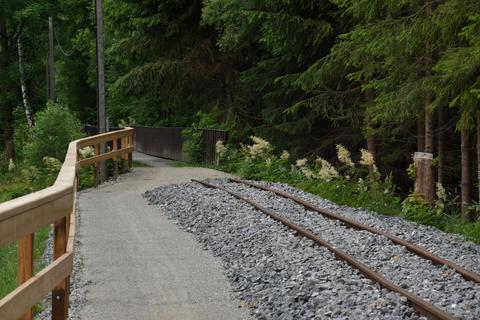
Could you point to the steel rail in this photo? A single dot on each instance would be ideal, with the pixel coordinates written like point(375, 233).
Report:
point(418, 250)
point(419, 304)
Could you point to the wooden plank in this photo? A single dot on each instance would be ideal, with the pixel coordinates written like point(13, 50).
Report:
point(33, 200)
point(20, 225)
point(25, 266)
point(105, 137)
point(105, 156)
point(36, 288)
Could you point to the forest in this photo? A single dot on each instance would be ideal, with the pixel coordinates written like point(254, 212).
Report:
point(306, 78)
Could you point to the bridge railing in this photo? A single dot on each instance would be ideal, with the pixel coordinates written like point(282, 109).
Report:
point(20, 218)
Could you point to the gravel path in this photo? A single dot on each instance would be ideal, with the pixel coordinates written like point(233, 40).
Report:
point(131, 262)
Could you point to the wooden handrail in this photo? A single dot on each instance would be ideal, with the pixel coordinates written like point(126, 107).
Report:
point(21, 217)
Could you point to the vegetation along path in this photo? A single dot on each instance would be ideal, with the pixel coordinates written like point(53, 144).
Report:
point(137, 264)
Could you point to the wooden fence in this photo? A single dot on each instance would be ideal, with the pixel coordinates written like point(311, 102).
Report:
point(20, 218)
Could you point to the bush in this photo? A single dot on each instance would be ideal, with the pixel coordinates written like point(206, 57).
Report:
point(416, 209)
point(192, 144)
point(55, 127)
point(192, 137)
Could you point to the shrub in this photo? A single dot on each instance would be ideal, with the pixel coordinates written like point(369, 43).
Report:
point(192, 137)
point(55, 127)
point(416, 209)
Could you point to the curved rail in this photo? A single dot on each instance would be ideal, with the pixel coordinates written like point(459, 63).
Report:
point(418, 250)
point(416, 302)
point(21, 217)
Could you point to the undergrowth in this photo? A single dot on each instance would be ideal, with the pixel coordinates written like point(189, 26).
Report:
point(355, 184)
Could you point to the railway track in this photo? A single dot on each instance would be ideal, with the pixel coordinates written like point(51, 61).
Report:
point(420, 304)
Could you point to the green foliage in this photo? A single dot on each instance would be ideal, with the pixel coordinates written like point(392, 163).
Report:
point(192, 144)
point(192, 137)
point(416, 209)
point(55, 127)
point(356, 187)
point(8, 259)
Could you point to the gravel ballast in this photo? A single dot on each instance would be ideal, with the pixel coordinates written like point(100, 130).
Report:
point(440, 285)
point(277, 274)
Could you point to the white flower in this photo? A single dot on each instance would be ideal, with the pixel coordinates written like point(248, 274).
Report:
point(367, 158)
point(307, 172)
point(259, 147)
point(86, 152)
point(344, 155)
point(220, 148)
point(11, 165)
point(52, 162)
point(285, 155)
point(327, 171)
point(441, 193)
point(300, 163)
point(268, 162)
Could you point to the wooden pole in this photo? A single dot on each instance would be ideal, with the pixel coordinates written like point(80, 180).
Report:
point(60, 292)
point(466, 182)
point(101, 102)
point(441, 148)
point(424, 181)
point(51, 63)
point(25, 266)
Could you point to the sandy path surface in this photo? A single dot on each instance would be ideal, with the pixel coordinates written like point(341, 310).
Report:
point(138, 264)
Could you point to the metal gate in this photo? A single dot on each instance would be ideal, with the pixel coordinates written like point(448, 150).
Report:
point(167, 142)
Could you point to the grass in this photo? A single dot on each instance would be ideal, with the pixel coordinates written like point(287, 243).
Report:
point(470, 231)
point(183, 164)
point(139, 164)
point(13, 186)
point(8, 261)
point(347, 194)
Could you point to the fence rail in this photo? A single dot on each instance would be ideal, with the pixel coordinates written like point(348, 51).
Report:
point(167, 142)
point(21, 217)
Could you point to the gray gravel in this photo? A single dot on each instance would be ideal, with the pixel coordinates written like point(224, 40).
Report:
point(446, 245)
point(439, 285)
point(277, 274)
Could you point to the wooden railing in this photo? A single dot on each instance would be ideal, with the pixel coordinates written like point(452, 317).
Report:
point(21, 217)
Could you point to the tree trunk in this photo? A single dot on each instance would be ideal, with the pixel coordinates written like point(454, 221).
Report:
point(465, 183)
point(421, 131)
point(441, 149)
point(424, 179)
point(23, 84)
point(51, 62)
point(428, 126)
point(7, 107)
point(371, 143)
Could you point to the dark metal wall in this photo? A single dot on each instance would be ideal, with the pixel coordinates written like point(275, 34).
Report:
point(167, 142)
point(160, 142)
point(210, 138)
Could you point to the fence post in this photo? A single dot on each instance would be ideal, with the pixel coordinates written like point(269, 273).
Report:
point(25, 265)
point(115, 159)
point(60, 292)
point(96, 174)
point(129, 157)
point(424, 181)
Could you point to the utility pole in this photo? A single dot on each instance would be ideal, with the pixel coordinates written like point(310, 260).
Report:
point(101, 120)
point(51, 63)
